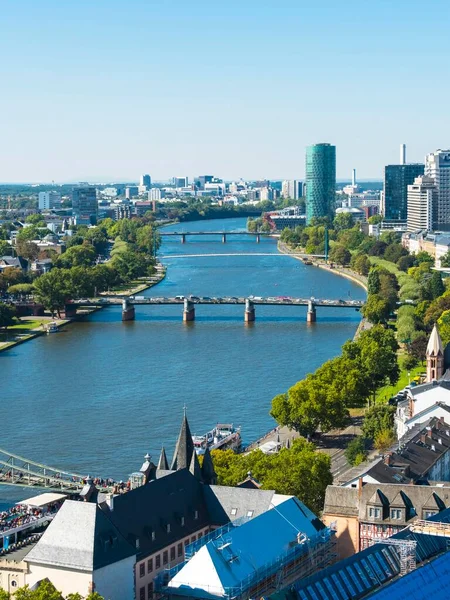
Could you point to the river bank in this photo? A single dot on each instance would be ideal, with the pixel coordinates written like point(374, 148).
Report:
point(25, 335)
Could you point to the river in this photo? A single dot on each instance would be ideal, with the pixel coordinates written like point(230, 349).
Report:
point(98, 395)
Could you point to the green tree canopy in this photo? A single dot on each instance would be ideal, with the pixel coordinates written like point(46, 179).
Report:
point(376, 309)
point(379, 417)
point(53, 289)
point(7, 314)
point(356, 451)
point(340, 255)
point(444, 327)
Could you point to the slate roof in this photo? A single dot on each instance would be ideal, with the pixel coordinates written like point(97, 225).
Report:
point(435, 346)
point(163, 463)
point(425, 387)
point(184, 447)
point(148, 509)
point(80, 537)
point(353, 502)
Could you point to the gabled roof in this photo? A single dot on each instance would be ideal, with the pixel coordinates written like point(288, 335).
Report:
point(435, 346)
point(163, 464)
point(80, 537)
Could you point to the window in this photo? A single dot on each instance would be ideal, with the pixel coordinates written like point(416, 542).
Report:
point(396, 513)
point(150, 565)
point(374, 513)
point(153, 536)
point(158, 561)
point(150, 590)
point(180, 550)
point(142, 569)
point(182, 521)
point(233, 512)
point(186, 542)
point(429, 513)
point(172, 553)
point(142, 593)
point(168, 527)
point(193, 539)
point(250, 513)
point(165, 557)
point(196, 514)
point(13, 583)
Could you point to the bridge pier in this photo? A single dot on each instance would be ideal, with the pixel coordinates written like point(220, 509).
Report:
point(249, 313)
point(188, 311)
point(128, 311)
point(311, 314)
point(183, 238)
point(224, 238)
point(258, 238)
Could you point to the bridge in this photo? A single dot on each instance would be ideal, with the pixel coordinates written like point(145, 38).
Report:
point(17, 470)
point(297, 254)
point(189, 302)
point(223, 234)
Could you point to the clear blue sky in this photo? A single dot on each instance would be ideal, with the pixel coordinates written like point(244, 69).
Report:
point(108, 89)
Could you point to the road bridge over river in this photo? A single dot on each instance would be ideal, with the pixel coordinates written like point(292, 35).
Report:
point(223, 234)
point(189, 303)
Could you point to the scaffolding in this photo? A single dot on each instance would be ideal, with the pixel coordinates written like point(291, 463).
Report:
point(431, 528)
point(406, 552)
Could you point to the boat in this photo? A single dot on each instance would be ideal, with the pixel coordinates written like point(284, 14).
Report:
point(52, 327)
point(224, 436)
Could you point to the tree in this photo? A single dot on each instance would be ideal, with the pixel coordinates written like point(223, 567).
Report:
point(418, 346)
point(437, 287)
point(378, 248)
point(7, 314)
point(379, 417)
point(362, 264)
point(444, 327)
point(376, 309)
point(77, 256)
point(356, 451)
point(445, 260)
point(340, 255)
point(28, 250)
point(405, 262)
point(5, 250)
point(375, 219)
point(53, 289)
point(343, 221)
point(394, 252)
point(4, 595)
point(384, 440)
point(373, 281)
point(423, 256)
point(21, 289)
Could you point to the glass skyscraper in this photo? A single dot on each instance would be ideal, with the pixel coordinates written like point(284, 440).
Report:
point(320, 181)
point(396, 181)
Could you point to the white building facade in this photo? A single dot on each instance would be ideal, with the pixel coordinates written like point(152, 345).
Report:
point(49, 200)
point(422, 204)
point(437, 166)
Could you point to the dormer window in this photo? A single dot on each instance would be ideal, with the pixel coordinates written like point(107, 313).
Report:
point(168, 527)
point(233, 512)
point(182, 521)
point(374, 513)
point(429, 513)
point(396, 513)
point(196, 514)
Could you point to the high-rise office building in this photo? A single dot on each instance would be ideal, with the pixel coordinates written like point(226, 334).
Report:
point(291, 188)
point(84, 205)
point(181, 182)
point(395, 192)
point(437, 166)
point(49, 200)
point(320, 181)
point(202, 180)
point(145, 181)
point(422, 204)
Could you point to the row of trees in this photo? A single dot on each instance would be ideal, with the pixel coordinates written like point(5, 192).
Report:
point(320, 402)
point(45, 591)
point(298, 470)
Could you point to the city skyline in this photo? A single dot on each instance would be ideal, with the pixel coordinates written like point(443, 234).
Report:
point(104, 91)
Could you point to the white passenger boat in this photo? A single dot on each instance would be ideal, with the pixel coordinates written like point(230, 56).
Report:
point(224, 436)
point(52, 327)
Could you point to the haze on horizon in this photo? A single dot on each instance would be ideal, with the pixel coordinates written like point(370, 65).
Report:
point(107, 90)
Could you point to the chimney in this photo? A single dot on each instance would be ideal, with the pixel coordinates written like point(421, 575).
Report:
point(403, 154)
point(388, 458)
point(433, 447)
point(423, 438)
point(110, 501)
point(353, 177)
point(360, 487)
point(440, 441)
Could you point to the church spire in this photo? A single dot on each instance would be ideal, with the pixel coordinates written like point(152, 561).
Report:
point(194, 467)
point(163, 463)
point(184, 447)
point(208, 473)
point(435, 356)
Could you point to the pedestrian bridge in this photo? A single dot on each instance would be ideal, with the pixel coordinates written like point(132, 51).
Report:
point(189, 302)
point(222, 234)
point(17, 470)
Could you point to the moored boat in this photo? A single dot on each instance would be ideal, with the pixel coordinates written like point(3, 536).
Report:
point(52, 327)
point(224, 436)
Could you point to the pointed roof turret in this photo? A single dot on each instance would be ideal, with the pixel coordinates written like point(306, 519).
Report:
point(435, 343)
point(148, 469)
point(194, 467)
point(208, 472)
point(184, 447)
point(163, 463)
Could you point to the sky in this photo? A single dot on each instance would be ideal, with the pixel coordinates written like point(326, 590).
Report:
point(104, 90)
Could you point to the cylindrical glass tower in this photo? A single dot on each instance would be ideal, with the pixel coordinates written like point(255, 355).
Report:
point(320, 181)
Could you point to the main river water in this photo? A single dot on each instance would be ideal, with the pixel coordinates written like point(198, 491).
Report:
point(97, 396)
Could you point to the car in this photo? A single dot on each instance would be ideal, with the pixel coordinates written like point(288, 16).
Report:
point(206, 298)
point(194, 298)
point(287, 299)
point(234, 299)
point(179, 297)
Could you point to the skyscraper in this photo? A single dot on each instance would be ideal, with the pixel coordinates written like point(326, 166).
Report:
point(145, 181)
point(395, 195)
point(437, 166)
point(291, 188)
point(422, 204)
point(49, 200)
point(84, 205)
point(320, 181)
